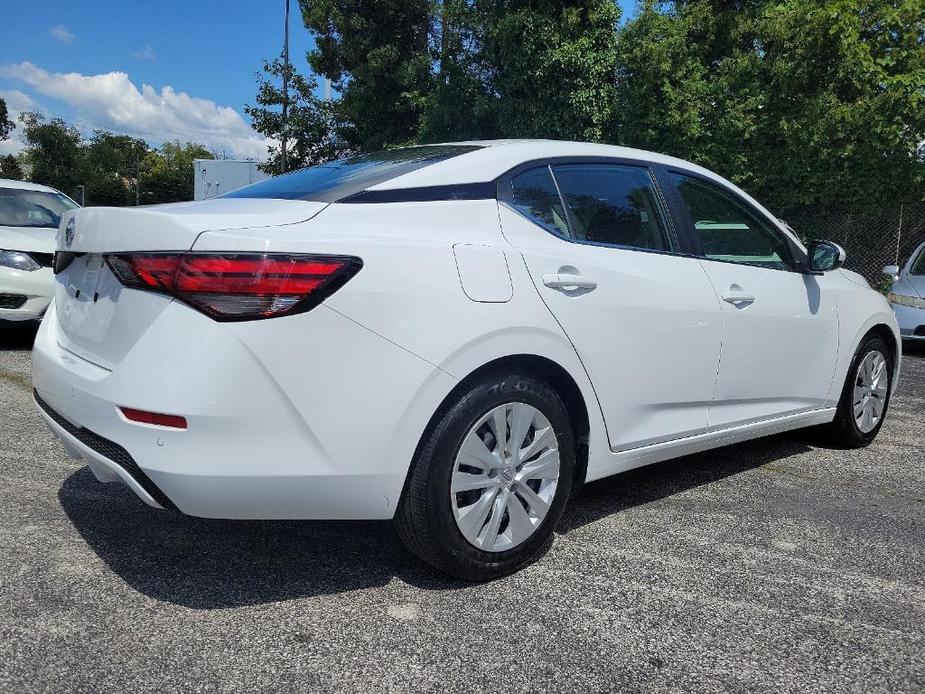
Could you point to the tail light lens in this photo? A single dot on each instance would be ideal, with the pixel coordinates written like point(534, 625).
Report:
point(229, 287)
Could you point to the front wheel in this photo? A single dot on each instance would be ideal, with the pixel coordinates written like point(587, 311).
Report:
point(865, 396)
point(490, 480)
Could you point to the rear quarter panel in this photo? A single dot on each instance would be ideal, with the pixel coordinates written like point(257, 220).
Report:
point(409, 292)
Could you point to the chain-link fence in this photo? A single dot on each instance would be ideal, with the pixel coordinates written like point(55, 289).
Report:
point(872, 238)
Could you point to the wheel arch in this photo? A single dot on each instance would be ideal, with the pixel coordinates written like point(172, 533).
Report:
point(556, 375)
point(892, 341)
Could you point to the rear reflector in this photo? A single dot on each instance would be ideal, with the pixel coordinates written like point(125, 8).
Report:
point(237, 286)
point(163, 420)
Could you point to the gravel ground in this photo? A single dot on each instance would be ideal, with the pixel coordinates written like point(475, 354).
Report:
point(773, 566)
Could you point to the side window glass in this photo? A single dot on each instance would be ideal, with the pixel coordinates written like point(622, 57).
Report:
point(918, 267)
point(535, 196)
point(612, 204)
point(727, 229)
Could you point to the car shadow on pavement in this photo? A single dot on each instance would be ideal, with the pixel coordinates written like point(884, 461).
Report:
point(17, 336)
point(653, 482)
point(208, 564)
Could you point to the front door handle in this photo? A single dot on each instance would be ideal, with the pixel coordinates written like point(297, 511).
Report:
point(738, 298)
point(561, 281)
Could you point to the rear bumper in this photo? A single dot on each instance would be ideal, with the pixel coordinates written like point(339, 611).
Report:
point(36, 287)
point(281, 424)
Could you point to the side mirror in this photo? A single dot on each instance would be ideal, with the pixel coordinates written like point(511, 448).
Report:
point(892, 271)
point(825, 256)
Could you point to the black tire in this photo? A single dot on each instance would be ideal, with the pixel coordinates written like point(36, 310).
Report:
point(844, 431)
point(425, 519)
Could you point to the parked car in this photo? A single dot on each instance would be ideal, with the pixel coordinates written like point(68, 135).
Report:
point(454, 336)
point(29, 217)
point(907, 296)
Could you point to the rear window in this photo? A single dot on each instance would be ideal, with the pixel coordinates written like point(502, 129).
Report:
point(345, 177)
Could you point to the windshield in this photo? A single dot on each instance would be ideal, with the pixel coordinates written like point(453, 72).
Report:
point(918, 267)
point(340, 179)
point(32, 208)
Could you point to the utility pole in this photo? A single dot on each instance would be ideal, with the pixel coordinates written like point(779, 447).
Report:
point(285, 128)
point(137, 180)
point(83, 201)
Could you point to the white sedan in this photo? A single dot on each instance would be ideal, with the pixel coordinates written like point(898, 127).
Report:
point(29, 218)
point(454, 336)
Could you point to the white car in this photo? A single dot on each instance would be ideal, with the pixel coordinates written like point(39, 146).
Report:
point(907, 296)
point(29, 218)
point(454, 336)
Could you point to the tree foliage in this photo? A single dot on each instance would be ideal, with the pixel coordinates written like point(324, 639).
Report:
point(113, 169)
point(10, 168)
point(6, 125)
point(378, 57)
point(309, 125)
point(167, 173)
point(801, 103)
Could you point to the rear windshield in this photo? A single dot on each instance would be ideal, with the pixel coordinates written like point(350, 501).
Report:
point(339, 179)
point(32, 208)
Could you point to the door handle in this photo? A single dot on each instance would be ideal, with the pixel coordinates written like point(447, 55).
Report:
point(739, 299)
point(560, 281)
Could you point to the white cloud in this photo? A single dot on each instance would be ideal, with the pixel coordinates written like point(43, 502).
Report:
point(16, 103)
point(146, 53)
point(62, 33)
point(112, 101)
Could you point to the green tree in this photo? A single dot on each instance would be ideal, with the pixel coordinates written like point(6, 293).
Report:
point(377, 55)
point(800, 103)
point(311, 137)
point(53, 151)
point(110, 166)
point(6, 125)
point(167, 173)
point(10, 168)
point(549, 66)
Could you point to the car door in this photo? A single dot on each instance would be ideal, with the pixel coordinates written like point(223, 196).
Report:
point(780, 324)
point(643, 318)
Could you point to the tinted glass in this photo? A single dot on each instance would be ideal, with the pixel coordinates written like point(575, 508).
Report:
point(918, 267)
point(535, 196)
point(344, 177)
point(612, 204)
point(32, 208)
point(727, 229)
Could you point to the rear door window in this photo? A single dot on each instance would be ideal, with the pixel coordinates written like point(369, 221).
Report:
point(612, 204)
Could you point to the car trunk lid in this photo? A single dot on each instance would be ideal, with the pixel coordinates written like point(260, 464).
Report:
point(99, 319)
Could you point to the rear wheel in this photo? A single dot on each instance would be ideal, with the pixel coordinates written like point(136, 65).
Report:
point(490, 481)
point(865, 396)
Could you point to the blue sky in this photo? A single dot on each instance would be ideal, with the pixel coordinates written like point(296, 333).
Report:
point(157, 70)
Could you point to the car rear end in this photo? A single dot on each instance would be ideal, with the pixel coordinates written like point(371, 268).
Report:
point(216, 382)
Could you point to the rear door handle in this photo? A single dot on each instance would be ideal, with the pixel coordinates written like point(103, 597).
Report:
point(559, 281)
point(739, 299)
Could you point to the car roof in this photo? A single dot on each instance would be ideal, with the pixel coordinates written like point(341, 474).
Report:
point(493, 158)
point(25, 185)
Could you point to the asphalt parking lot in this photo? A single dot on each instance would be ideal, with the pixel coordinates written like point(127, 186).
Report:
point(772, 566)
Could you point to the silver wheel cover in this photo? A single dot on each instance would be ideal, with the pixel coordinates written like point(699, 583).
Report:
point(870, 390)
point(504, 477)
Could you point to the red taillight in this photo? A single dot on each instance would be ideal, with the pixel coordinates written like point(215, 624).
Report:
point(163, 420)
point(237, 286)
